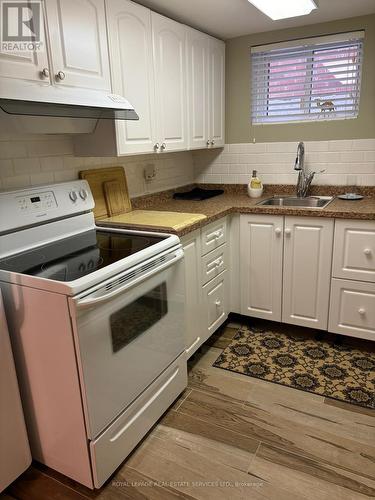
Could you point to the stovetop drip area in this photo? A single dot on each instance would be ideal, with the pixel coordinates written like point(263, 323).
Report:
point(72, 258)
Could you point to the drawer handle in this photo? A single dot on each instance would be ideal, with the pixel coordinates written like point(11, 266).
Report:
point(144, 407)
point(192, 345)
point(362, 311)
point(214, 236)
point(218, 303)
point(367, 251)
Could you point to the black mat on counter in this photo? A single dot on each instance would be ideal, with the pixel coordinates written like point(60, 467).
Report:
point(198, 194)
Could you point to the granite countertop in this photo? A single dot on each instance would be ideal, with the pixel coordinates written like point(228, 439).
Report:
point(234, 201)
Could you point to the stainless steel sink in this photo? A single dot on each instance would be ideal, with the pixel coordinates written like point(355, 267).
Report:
point(294, 201)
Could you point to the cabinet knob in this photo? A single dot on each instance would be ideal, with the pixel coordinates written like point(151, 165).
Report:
point(278, 231)
point(367, 251)
point(44, 73)
point(213, 143)
point(218, 303)
point(60, 75)
point(157, 146)
point(217, 235)
point(362, 311)
point(163, 146)
point(288, 231)
point(208, 143)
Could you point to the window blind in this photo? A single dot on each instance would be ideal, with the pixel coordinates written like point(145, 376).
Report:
point(315, 79)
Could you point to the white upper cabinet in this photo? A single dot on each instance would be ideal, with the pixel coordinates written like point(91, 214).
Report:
point(25, 65)
point(261, 265)
point(206, 90)
point(78, 40)
point(130, 44)
point(169, 44)
point(197, 64)
point(216, 133)
point(307, 271)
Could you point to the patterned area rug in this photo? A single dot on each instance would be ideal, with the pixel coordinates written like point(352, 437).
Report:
point(341, 371)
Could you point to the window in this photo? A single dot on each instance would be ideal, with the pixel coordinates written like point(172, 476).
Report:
point(314, 79)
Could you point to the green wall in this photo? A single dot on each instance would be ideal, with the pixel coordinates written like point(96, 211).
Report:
point(238, 75)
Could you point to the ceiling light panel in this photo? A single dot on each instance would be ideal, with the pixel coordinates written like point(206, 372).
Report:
point(283, 9)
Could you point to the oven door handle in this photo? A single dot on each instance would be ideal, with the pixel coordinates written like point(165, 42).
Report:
point(89, 302)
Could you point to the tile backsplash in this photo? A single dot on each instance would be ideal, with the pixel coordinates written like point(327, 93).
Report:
point(31, 160)
point(347, 162)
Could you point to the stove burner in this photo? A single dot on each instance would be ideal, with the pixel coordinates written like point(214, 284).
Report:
point(78, 256)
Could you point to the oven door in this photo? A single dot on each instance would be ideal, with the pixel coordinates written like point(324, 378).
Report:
point(127, 331)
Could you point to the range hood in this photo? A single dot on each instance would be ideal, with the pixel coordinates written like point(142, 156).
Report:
point(50, 109)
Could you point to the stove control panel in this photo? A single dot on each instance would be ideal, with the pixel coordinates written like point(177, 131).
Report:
point(34, 205)
point(37, 201)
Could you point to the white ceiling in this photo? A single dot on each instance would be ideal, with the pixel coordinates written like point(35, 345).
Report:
point(230, 18)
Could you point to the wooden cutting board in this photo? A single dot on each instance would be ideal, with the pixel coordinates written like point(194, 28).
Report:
point(153, 218)
point(109, 189)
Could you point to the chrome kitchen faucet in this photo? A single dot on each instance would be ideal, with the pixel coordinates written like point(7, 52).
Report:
point(304, 178)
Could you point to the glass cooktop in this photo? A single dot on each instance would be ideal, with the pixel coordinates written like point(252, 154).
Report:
point(72, 258)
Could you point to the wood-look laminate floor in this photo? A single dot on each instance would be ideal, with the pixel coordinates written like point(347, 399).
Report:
point(230, 436)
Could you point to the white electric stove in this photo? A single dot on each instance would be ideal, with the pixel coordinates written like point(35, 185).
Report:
point(96, 318)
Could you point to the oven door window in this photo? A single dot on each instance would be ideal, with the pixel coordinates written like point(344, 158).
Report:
point(138, 317)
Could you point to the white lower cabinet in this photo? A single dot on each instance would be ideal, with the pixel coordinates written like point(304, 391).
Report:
point(215, 301)
point(352, 310)
point(352, 306)
point(354, 251)
point(285, 268)
point(308, 245)
point(261, 254)
point(206, 286)
point(193, 292)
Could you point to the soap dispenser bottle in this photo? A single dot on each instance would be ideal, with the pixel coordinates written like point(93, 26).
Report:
point(255, 186)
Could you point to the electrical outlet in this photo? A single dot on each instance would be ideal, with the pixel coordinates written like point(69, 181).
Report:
point(149, 172)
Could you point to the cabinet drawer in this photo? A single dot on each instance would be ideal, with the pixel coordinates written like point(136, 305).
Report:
point(215, 298)
point(214, 235)
point(115, 444)
point(214, 263)
point(354, 250)
point(352, 310)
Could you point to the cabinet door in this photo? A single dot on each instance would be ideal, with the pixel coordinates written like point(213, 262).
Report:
point(169, 43)
point(130, 44)
point(307, 271)
point(215, 299)
point(261, 254)
point(78, 38)
point(216, 92)
point(193, 292)
point(197, 67)
point(24, 65)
